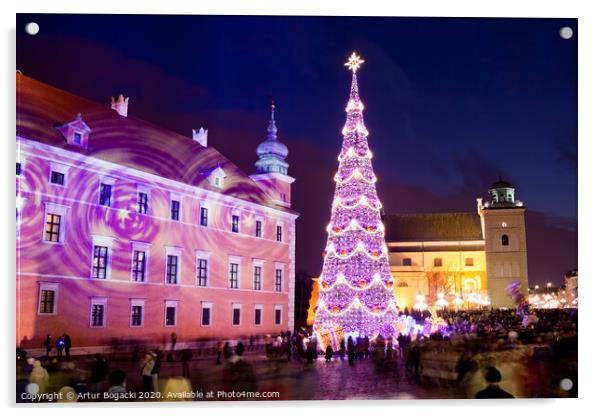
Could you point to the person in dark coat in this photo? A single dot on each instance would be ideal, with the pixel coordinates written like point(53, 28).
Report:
point(329, 353)
point(67, 340)
point(350, 351)
point(311, 354)
point(227, 351)
point(60, 346)
point(413, 364)
point(493, 390)
point(48, 345)
point(98, 373)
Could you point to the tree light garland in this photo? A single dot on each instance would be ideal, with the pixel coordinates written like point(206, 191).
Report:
point(351, 153)
point(355, 286)
point(338, 203)
point(360, 248)
point(355, 226)
point(342, 280)
point(355, 175)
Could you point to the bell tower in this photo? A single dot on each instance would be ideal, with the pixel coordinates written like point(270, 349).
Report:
point(272, 168)
point(503, 223)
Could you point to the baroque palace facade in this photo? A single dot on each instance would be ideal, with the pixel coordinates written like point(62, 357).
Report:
point(130, 232)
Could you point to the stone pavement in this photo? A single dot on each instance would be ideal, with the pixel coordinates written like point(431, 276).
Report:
point(295, 380)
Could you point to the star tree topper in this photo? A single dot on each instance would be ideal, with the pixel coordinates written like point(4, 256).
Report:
point(354, 62)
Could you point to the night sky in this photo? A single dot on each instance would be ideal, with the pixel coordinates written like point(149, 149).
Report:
point(451, 104)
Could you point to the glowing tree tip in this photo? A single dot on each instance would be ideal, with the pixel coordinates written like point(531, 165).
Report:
point(354, 62)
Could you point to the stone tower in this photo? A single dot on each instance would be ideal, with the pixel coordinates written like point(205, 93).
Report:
point(503, 223)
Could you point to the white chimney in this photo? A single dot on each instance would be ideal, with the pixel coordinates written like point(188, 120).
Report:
point(120, 105)
point(200, 136)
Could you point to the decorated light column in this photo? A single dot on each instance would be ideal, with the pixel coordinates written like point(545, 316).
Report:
point(356, 286)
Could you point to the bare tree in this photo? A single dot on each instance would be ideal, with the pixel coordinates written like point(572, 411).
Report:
point(439, 281)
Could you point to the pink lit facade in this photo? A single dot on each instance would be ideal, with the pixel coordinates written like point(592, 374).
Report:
point(113, 245)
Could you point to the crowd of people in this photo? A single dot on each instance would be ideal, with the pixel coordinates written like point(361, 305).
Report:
point(469, 332)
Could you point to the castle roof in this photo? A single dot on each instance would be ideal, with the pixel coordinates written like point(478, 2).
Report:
point(127, 141)
point(449, 226)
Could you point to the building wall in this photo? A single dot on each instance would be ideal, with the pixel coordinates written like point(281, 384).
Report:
point(505, 263)
point(68, 265)
point(276, 185)
point(454, 275)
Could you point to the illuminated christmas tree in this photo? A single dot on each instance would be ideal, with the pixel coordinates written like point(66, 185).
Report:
point(356, 286)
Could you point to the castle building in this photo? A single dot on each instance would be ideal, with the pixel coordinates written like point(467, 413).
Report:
point(466, 255)
point(127, 231)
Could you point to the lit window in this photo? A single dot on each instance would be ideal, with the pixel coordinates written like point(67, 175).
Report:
point(139, 266)
point(100, 261)
point(53, 228)
point(54, 222)
point(137, 313)
point(469, 261)
point(47, 301)
point(98, 308)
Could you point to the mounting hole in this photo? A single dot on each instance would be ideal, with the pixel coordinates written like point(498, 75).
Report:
point(566, 384)
point(32, 28)
point(566, 32)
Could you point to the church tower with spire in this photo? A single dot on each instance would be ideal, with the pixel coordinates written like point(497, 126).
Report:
point(271, 167)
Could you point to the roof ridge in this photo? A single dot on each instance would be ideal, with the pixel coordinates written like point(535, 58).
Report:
point(40, 105)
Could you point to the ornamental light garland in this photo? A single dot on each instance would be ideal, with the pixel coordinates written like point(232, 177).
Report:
point(355, 286)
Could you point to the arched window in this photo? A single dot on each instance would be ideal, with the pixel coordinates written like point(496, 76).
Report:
point(505, 240)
